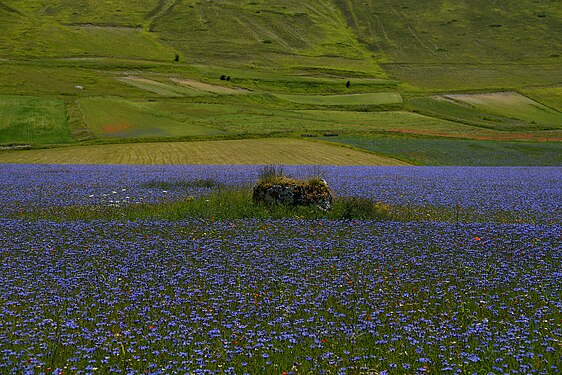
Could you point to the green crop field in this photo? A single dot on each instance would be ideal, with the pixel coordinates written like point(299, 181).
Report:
point(445, 151)
point(113, 117)
point(500, 111)
point(89, 72)
point(26, 119)
point(513, 105)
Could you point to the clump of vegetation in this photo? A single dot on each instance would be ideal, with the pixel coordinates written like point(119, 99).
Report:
point(359, 208)
point(271, 173)
point(181, 184)
point(275, 188)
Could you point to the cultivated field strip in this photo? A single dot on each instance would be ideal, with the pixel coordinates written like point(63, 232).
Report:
point(250, 151)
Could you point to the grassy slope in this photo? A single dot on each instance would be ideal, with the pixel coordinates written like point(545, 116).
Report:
point(301, 52)
point(291, 35)
point(444, 31)
point(456, 45)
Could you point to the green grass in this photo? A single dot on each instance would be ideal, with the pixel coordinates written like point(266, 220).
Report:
point(233, 203)
point(30, 120)
point(431, 151)
point(55, 77)
point(497, 76)
point(515, 106)
point(40, 40)
point(253, 34)
point(451, 46)
point(291, 62)
point(220, 204)
point(290, 35)
point(337, 100)
point(425, 31)
point(304, 84)
point(115, 117)
point(391, 122)
point(509, 112)
point(549, 96)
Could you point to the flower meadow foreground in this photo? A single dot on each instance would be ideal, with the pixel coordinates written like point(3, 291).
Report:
point(201, 295)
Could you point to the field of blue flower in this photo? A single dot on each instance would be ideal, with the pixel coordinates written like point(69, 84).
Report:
point(468, 281)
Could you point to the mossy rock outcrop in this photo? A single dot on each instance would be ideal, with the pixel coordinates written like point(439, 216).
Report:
point(292, 192)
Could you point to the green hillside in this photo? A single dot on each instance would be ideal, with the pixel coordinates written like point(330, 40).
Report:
point(451, 44)
point(114, 70)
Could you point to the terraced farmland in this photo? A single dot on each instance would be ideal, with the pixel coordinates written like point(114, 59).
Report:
point(186, 70)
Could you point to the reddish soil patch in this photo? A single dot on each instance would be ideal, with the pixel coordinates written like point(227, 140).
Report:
point(115, 128)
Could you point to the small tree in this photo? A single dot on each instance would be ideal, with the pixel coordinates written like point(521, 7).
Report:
point(348, 84)
point(177, 58)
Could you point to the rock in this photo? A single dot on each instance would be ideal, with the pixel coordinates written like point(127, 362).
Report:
point(291, 192)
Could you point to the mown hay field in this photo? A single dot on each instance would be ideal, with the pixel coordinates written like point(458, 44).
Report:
point(248, 151)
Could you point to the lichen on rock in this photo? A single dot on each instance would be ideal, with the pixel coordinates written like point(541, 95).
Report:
point(292, 192)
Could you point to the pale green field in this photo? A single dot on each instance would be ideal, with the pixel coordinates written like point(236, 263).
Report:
point(549, 96)
point(160, 88)
point(353, 99)
point(199, 86)
point(247, 151)
point(512, 105)
point(509, 114)
point(415, 124)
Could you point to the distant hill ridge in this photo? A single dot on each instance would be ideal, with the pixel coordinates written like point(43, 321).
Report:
point(346, 34)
